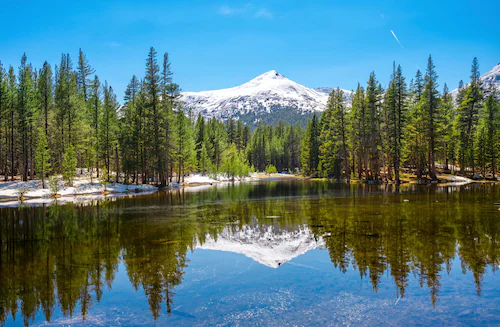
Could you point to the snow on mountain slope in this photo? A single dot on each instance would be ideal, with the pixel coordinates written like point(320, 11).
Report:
point(328, 90)
point(490, 80)
point(268, 245)
point(268, 92)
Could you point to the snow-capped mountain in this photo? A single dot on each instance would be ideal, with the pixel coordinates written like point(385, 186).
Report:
point(491, 80)
point(268, 245)
point(265, 94)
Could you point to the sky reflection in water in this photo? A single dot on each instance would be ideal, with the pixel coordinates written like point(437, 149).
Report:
point(276, 253)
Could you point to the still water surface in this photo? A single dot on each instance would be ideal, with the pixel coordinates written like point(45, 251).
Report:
point(269, 253)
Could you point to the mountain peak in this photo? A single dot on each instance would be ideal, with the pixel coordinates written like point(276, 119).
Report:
point(266, 94)
point(272, 74)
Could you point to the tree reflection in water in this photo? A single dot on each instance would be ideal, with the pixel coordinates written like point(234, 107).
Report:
point(62, 255)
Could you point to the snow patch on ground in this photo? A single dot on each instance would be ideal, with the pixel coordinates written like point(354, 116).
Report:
point(199, 179)
point(84, 191)
point(36, 194)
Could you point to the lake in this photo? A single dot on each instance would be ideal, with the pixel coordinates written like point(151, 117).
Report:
point(274, 253)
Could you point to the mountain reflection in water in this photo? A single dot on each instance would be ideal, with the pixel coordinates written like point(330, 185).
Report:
point(65, 257)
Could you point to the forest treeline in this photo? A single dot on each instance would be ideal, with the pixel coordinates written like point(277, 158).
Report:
point(377, 132)
point(57, 119)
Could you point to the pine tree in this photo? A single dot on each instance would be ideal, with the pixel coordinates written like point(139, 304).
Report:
point(326, 155)
point(11, 130)
point(334, 153)
point(430, 98)
point(292, 144)
point(25, 107)
point(448, 142)
point(129, 130)
point(108, 136)
point(372, 103)
point(170, 96)
point(42, 163)
point(204, 163)
point(217, 138)
point(231, 131)
point(184, 145)
point(310, 147)
point(156, 119)
point(45, 94)
point(239, 136)
point(69, 164)
point(359, 132)
point(416, 145)
point(3, 121)
point(200, 135)
point(467, 118)
point(490, 122)
point(480, 147)
point(395, 105)
point(234, 165)
point(95, 111)
point(84, 71)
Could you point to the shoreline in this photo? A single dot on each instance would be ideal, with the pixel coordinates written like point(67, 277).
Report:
point(84, 191)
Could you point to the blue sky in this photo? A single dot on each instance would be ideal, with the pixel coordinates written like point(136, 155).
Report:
point(214, 44)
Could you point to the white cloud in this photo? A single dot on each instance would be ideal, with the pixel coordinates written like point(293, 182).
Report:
point(264, 13)
point(226, 10)
point(248, 9)
point(114, 44)
point(394, 34)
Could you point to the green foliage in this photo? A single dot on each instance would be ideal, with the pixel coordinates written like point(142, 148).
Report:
point(448, 142)
point(488, 138)
point(374, 141)
point(234, 163)
point(359, 132)
point(185, 152)
point(271, 169)
point(470, 102)
point(395, 119)
point(104, 178)
point(42, 155)
point(69, 165)
point(310, 148)
point(54, 185)
point(333, 138)
point(277, 145)
point(108, 132)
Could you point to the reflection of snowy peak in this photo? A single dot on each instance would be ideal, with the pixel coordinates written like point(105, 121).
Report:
point(268, 92)
point(268, 245)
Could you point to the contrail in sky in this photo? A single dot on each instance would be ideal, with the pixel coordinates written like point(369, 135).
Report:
point(394, 34)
